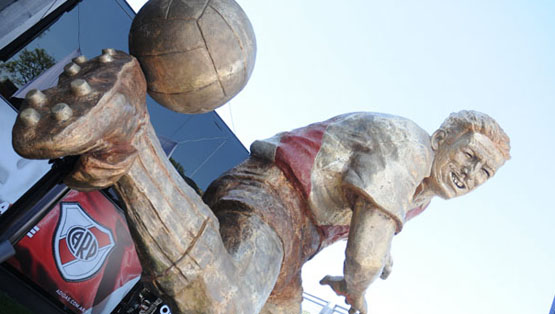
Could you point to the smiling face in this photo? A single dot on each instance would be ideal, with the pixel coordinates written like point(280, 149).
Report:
point(463, 164)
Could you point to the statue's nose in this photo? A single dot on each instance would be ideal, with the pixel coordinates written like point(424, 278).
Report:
point(471, 174)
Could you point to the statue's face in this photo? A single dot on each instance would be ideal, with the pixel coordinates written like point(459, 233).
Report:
point(459, 167)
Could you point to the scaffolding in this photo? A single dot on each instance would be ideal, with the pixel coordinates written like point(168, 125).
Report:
point(315, 305)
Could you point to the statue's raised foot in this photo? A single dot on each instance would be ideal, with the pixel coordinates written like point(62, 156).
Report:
point(95, 111)
point(98, 111)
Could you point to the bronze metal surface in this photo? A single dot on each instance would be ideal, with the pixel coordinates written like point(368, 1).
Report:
point(196, 55)
point(176, 235)
point(367, 173)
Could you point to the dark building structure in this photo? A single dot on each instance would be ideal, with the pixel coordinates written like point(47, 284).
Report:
point(206, 147)
point(201, 147)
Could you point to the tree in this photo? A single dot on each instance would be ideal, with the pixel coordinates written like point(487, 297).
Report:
point(28, 65)
point(188, 180)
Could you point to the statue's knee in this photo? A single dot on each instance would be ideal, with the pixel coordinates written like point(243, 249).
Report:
point(242, 231)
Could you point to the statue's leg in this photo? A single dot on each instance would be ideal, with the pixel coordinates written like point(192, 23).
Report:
point(255, 248)
point(98, 111)
point(288, 303)
point(254, 194)
point(178, 239)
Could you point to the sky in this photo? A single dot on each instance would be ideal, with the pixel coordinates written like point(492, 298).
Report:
point(491, 251)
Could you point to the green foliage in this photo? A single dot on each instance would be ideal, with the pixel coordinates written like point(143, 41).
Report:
point(28, 65)
point(178, 167)
point(188, 180)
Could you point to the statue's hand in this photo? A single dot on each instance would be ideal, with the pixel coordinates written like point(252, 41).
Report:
point(95, 111)
point(354, 298)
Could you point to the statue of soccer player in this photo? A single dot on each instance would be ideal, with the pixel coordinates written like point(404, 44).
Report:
point(358, 176)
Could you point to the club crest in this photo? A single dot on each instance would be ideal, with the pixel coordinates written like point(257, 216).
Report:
point(81, 245)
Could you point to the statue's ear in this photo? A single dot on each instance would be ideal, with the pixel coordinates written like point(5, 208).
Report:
point(438, 137)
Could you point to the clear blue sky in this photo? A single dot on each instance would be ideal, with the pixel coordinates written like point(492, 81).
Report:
point(492, 251)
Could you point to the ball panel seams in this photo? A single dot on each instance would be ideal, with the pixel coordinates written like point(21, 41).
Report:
point(152, 10)
point(198, 101)
point(188, 8)
point(154, 39)
point(234, 82)
point(156, 10)
point(164, 76)
point(192, 65)
point(241, 26)
point(223, 46)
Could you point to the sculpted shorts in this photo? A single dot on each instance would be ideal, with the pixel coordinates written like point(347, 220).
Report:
point(260, 188)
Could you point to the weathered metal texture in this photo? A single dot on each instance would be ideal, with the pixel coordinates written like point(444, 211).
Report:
point(179, 242)
point(269, 227)
point(89, 113)
point(196, 54)
point(260, 188)
point(368, 171)
point(98, 111)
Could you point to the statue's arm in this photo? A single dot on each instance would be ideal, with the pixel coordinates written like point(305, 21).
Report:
point(368, 245)
point(367, 253)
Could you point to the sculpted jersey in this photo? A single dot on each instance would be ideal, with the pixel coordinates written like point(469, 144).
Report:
point(380, 157)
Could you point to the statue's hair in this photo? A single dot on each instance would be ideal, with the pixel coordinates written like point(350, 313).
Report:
point(468, 120)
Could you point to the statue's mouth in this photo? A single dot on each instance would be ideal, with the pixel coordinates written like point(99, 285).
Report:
point(457, 182)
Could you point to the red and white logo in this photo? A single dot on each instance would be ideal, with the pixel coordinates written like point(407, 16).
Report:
point(81, 245)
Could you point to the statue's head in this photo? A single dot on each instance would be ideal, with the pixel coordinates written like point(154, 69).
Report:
point(469, 149)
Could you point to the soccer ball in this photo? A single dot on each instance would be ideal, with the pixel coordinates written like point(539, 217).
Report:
point(196, 54)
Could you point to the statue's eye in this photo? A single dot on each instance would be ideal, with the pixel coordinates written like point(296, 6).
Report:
point(486, 172)
point(468, 155)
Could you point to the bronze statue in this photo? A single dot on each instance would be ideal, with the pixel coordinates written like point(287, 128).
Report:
point(359, 175)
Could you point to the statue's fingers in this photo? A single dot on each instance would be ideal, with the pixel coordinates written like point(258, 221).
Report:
point(335, 282)
point(386, 272)
point(325, 280)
